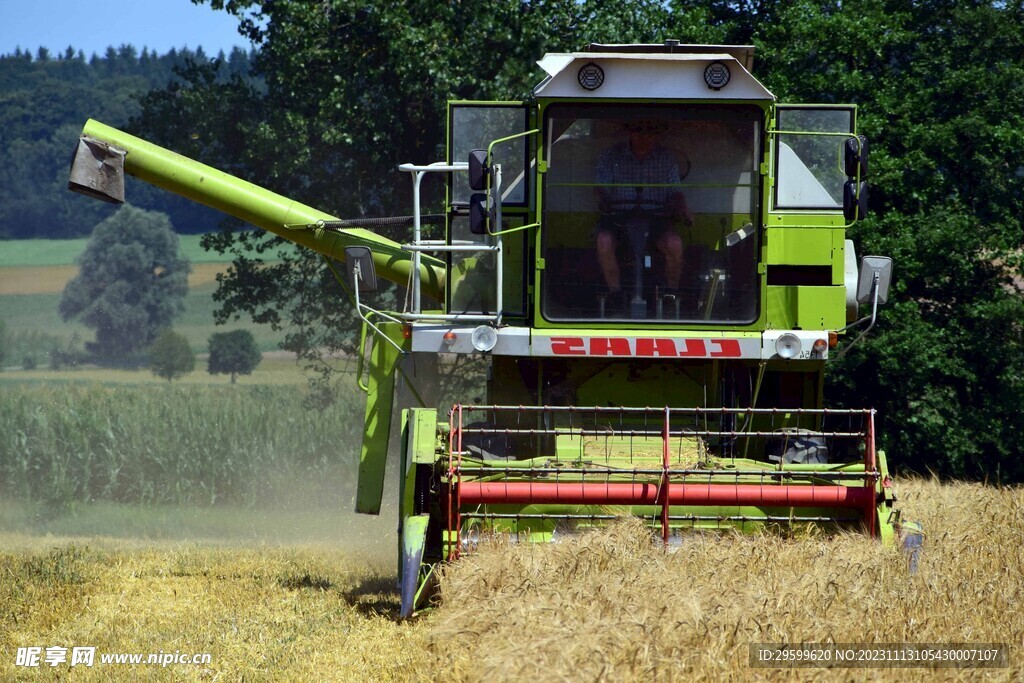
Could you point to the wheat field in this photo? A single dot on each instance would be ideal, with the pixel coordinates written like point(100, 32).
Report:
point(603, 606)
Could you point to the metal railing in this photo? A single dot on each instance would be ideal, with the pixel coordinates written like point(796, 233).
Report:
point(419, 245)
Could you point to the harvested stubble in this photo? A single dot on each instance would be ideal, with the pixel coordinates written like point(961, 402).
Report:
point(613, 606)
point(606, 606)
point(263, 614)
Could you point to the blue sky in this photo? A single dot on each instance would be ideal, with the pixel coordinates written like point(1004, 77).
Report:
point(93, 25)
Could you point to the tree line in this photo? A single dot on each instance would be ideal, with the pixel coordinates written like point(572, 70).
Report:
point(45, 99)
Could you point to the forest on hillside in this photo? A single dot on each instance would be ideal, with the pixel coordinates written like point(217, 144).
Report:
point(44, 101)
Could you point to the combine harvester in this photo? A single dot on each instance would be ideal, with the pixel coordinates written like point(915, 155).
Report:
point(651, 256)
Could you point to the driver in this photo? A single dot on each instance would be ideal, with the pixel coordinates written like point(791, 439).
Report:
point(639, 181)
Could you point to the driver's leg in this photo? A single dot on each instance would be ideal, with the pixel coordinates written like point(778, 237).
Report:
point(607, 245)
point(670, 245)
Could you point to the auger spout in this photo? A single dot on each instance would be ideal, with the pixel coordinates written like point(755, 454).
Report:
point(244, 200)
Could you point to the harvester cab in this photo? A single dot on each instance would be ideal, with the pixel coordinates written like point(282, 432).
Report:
point(650, 255)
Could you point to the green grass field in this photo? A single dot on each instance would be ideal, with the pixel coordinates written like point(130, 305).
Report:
point(41, 252)
point(64, 252)
point(25, 313)
point(34, 312)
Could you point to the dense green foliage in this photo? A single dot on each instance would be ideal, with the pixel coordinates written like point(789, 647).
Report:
point(173, 444)
point(45, 100)
point(233, 353)
point(170, 356)
point(131, 284)
point(941, 90)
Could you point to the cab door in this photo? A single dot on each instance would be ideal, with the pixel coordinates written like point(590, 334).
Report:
point(805, 239)
point(472, 278)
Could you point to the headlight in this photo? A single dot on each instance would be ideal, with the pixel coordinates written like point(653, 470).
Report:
point(484, 338)
point(787, 345)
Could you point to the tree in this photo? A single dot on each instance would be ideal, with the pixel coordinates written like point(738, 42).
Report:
point(941, 95)
point(132, 283)
point(170, 356)
point(233, 353)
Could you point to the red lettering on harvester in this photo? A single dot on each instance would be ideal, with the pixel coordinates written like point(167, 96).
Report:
point(609, 346)
point(727, 348)
point(693, 347)
point(645, 346)
point(568, 346)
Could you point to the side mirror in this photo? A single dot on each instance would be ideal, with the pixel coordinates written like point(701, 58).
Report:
point(359, 271)
point(478, 214)
point(870, 267)
point(856, 156)
point(478, 170)
point(855, 200)
point(872, 287)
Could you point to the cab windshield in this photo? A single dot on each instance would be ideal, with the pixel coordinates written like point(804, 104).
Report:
point(650, 213)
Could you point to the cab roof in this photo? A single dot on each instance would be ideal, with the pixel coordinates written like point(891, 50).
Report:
point(744, 54)
point(669, 71)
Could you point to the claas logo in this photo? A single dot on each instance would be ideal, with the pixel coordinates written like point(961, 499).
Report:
point(641, 347)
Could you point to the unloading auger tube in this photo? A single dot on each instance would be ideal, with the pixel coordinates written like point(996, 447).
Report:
point(104, 150)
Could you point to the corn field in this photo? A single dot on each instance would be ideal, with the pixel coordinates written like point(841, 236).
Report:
point(185, 445)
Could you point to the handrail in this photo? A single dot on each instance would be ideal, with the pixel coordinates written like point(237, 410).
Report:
point(418, 246)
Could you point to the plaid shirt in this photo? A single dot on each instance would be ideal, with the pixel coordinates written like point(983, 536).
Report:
point(624, 178)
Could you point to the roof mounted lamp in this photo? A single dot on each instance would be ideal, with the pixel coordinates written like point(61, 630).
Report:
point(717, 75)
point(590, 76)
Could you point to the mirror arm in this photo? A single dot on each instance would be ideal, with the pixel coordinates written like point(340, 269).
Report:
point(358, 271)
point(873, 317)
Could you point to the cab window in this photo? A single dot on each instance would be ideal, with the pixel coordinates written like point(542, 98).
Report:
point(650, 212)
